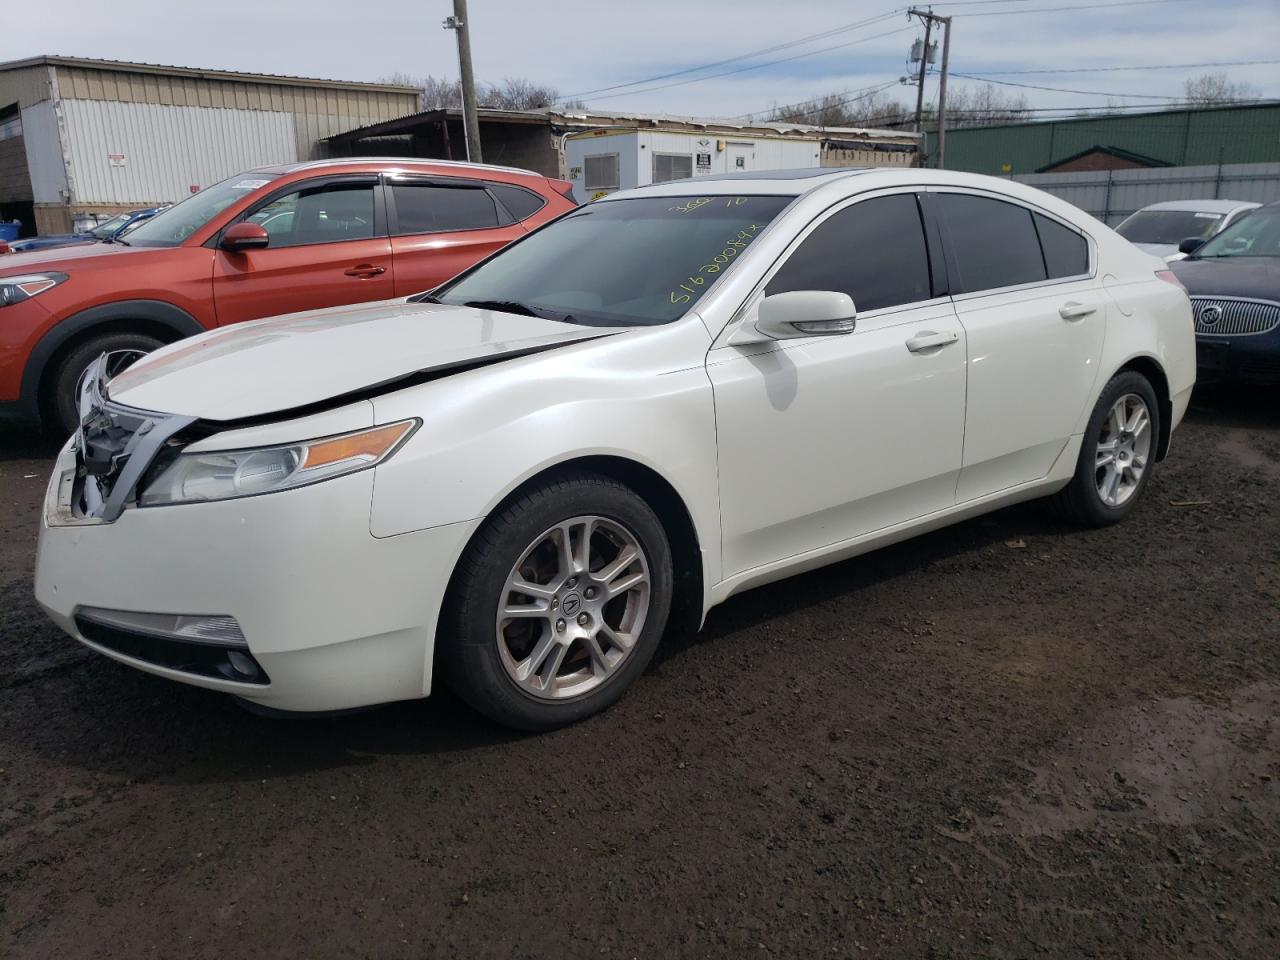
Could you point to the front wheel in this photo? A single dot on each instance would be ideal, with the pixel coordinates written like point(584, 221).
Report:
point(1117, 455)
point(124, 350)
point(558, 603)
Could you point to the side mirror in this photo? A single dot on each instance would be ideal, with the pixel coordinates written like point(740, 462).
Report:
point(800, 313)
point(1190, 245)
point(245, 236)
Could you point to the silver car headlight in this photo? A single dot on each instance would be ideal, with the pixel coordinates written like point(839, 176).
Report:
point(227, 474)
point(16, 289)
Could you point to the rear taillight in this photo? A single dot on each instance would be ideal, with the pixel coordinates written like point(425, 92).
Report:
point(565, 189)
point(4, 247)
point(1168, 276)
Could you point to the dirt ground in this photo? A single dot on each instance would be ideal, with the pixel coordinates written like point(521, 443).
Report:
point(1006, 739)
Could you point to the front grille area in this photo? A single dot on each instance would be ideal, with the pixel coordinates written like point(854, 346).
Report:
point(204, 659)
point(1232, 317)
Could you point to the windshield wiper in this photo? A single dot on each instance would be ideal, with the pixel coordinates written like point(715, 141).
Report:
point(503, 306)
point(119, 240)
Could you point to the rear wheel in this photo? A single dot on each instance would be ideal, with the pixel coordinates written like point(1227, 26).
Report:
point(558, 604)
point(1117, 455)
point(124, 349)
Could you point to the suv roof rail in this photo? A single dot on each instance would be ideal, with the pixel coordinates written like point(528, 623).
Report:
point(338, 161)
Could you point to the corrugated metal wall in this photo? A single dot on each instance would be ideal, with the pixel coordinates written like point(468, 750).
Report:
point(25, 86)
point(1111, 195)
point(1180, 137)
point(319, 111)
point(44, 153)
point(166, 149)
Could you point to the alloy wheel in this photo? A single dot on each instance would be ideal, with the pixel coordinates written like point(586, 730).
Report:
point(573, 607)
point(1123, 450)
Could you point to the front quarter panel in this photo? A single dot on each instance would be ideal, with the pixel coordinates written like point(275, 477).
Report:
point(642, 395)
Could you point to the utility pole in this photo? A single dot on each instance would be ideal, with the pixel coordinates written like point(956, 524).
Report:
point(470, 120)
point(930, 18)
point(942, 93)
point(924, 65)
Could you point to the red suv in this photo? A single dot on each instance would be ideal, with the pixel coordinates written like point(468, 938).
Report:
point(270, 241)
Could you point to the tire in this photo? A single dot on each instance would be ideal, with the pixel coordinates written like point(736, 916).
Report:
point(1085, 500)
point(512, 670)
point(63, 399)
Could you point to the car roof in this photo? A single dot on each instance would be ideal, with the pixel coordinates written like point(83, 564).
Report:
point(1200, 206)
point(397, 162)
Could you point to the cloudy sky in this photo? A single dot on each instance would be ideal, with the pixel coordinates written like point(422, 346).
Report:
point(583, 47)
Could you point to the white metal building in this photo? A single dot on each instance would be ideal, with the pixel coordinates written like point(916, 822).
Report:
point(617, 157)
point(82, 140)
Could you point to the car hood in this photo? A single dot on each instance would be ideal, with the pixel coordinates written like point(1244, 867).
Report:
point(280, 364)
point(61, 258)
point(1251, 277)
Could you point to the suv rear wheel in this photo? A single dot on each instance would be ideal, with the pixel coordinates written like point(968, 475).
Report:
point(125, 349)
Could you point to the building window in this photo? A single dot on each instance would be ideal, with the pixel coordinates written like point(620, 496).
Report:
point(10, 122)
point(672, 166)
point(601, 171)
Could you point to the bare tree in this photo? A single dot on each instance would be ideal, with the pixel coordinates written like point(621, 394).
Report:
point(1214, 88)
point(966, 107)
point(513, 93)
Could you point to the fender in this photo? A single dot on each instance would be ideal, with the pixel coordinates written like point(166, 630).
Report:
point(156, 312)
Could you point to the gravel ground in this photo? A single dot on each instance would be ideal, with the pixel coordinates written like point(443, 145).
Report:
point(1006, 739)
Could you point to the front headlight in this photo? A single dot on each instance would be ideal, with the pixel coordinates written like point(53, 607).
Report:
point(16, 289)
point(227, 474)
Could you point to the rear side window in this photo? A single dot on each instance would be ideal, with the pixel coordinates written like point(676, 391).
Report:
point(874, 251)
point(995, 243)
point(1066, 253)
point(427, 208)
point(520, 202)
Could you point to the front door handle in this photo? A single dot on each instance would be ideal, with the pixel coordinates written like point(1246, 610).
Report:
point(1071, 310)
point(928, 340)
point(365, 271)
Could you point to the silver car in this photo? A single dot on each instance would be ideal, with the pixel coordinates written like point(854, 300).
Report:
point(1159, 228)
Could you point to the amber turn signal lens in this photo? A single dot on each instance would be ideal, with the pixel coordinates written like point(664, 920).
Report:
point(369, 445)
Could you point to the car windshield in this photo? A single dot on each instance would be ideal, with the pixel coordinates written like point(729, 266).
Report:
point(104, 230)
point(1168, 226)
point(630, 262)
point(1257, 234)
point(170, 227)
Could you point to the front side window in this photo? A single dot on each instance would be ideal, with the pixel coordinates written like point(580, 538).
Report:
point(428, 208)
point(329, 213)
point(672, 166)
point(1255, 235)
point(874, 251)
point(995, 243)
point(633, 262)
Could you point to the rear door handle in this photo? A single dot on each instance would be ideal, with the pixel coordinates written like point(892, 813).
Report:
point(928, 340)
point(1071, 310)
point(365, 271)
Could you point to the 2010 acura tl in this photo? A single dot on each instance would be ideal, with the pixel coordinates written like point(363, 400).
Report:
point(652, 403)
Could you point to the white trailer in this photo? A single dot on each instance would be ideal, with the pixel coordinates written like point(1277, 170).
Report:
point(600, 162)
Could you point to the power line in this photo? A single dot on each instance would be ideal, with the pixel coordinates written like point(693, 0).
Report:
point(870, 21)
point(1073, 7)
point(860, 94)
point(1087, 93)
point(1163, 66)
point(766, 63)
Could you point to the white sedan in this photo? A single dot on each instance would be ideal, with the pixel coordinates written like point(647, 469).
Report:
point(653, 403)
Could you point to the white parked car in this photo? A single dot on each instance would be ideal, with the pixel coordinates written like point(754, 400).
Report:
point(1161, 227)
point(653, 403)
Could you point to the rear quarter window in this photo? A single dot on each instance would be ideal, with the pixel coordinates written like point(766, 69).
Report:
point(1066, 253)
point(521, 203)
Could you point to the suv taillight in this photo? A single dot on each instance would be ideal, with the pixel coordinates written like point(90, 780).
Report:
point(1168, 276)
